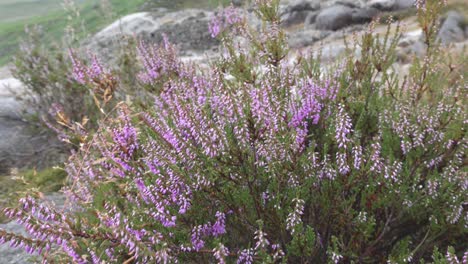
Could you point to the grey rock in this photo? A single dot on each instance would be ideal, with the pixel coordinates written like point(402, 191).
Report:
point(13, 255)
point(189, 34)
point(294, 18)
point(19, 145)
point(188, 29)
point(411, 44)
point(352, 4)
point(452, 28)
point(297, 12)
point(237, 3)
point(306, 38)
point(391, 5)
point(311, 18)
point(334, 17)
point(302, 5)
point(364, 15)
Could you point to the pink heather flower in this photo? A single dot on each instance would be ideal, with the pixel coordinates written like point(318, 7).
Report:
point(221, 21)
point(79, 70)
point(87, 74)
point(158, 61)
point(214, 26)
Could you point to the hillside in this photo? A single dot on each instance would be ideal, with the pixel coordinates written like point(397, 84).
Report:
point(52, 18)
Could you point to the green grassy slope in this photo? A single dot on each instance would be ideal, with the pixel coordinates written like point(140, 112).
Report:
point(52, 18)
point(14, 10)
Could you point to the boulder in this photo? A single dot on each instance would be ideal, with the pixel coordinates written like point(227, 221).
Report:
point(334, 17)
point(294, 18)
point(311, 18)
point(188, 29)
point(20, 142)
point(297, 12)
point(364, 15)
point(452, 28)
point(391, 5)
point(301, 5)
point(411, 44)
point(306, 38)
point(237, 3)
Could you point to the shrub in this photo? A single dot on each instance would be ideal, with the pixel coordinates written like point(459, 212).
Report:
point(48, 83)
point(259, 160)
point(52, 91)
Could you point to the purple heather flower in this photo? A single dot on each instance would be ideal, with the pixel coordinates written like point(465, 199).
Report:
point(219, 227)
point(225, 18)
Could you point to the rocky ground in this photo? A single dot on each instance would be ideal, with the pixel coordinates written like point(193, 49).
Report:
point(311, 26)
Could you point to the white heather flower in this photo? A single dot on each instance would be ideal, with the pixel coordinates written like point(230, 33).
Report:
point(294, 217)
point(262, 241)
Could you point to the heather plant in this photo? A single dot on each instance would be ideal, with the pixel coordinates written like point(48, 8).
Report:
point(264, 158)
point(50, 91)
point(67, 90)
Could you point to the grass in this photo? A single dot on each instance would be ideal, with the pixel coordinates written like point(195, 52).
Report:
point(15, 10)
point(14, 186)
point(183, 4)
point(54, 21)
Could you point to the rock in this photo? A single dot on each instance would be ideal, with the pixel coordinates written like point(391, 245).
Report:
point(334, 17)
point(188, 29)
point(13, 255)
point(294, 18)
point(19, 145)
point(311, 18)
point(411, 44)
point(301, 5)
point(349, 3)
point(237, 3)
point(452, 28)
point(364, 15)
point(306, 38)
point(190, 33)
point(391, 5)
point(297, 12)
point(10, 108)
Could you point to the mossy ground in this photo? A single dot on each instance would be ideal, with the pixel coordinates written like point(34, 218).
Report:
point(16, 184)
